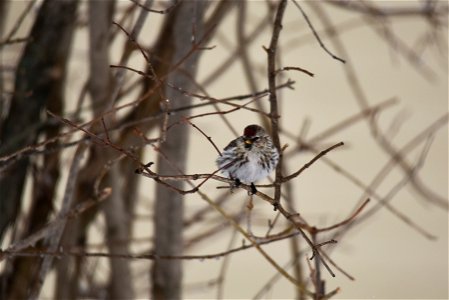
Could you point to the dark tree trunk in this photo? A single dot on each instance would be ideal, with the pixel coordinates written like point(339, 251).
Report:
point(39, 85)
point(169, 207)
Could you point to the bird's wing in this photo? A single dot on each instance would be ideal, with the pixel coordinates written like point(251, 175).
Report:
point(232, 144)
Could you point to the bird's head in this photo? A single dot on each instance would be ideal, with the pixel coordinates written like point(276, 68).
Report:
point(252, 133)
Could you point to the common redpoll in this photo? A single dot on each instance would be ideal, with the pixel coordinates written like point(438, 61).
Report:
point(249, 158)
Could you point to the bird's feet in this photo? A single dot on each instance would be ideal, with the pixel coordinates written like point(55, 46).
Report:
point(237, 182)
point(253, 189)
point(235, 185)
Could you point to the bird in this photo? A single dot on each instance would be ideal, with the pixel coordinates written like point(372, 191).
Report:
point(249, 158)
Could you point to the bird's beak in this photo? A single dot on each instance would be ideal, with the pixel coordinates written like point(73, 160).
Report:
point(248, 141)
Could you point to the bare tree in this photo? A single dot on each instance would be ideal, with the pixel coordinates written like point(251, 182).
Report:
point(168, 212)
point(39, 85)
point(107, 175)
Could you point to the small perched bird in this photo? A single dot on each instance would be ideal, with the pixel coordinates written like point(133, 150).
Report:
point(249, 158)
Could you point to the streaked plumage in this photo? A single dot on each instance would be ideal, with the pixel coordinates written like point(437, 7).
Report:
point(250, 157)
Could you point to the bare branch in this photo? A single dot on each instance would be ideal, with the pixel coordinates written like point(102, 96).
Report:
point(309, 23)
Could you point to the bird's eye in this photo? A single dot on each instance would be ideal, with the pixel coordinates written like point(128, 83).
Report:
point(255, 138)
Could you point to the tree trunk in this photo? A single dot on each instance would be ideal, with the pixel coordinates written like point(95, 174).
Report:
point(169, 207)
point(3, 10)
point(39, 85)
point(100, 86)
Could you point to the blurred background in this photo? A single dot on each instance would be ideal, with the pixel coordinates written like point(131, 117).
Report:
point(91, 91)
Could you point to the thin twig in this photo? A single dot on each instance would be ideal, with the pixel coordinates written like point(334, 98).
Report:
point(295, 69)
point(309, 23)
point(348, 220)
point(205, 135)
point(8, 39)
point(307, 165)
point(162, 12)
